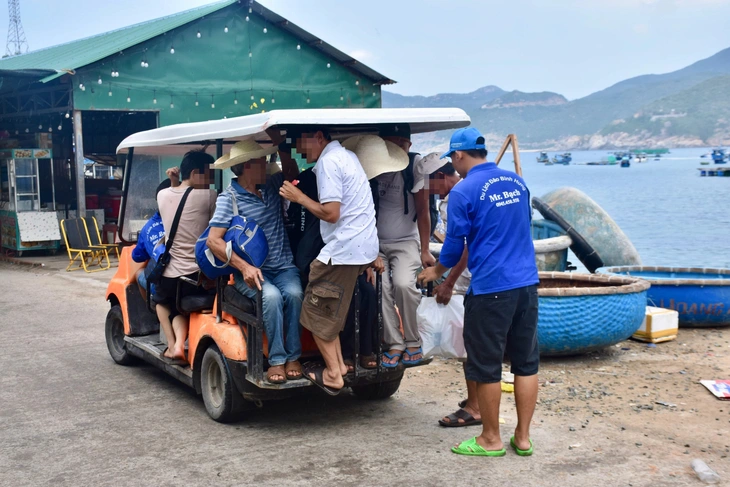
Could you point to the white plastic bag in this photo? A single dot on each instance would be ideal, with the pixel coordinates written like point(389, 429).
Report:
point(442, 327)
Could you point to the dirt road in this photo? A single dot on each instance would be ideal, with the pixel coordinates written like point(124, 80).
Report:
point(630, 415)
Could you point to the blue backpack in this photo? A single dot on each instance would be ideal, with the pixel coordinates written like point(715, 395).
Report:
point(244, 237)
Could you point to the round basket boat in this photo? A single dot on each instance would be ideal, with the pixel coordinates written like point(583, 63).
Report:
point(700, 295)
point(580, 313)
point(551, 246)
point(597, 239)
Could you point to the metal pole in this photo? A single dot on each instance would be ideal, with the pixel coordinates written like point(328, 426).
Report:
point(53, 185)
point(219, 174)
point(80, 180)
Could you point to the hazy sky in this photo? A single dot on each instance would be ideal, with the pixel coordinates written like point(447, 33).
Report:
point(573, 47)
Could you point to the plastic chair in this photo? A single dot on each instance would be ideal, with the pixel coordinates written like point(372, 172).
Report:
point(79, 249)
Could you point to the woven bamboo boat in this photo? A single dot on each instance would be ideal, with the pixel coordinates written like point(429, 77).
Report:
point(700, 295)
point(579, 313)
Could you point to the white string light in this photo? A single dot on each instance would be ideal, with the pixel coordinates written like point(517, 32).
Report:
point(172, 104)
point(225, 29)
point(196, 100)
point(172, 49)
point(100, 81)
point(199, 35)
point(154, 95)
point(129, 99)
point(235, 99)
point(212, 101)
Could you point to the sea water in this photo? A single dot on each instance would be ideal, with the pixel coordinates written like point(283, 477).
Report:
point(673, 216)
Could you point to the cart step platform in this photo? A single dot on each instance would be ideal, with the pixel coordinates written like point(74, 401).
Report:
point(149, 348)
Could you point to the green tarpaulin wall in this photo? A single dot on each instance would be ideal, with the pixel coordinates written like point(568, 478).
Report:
point(215, 70)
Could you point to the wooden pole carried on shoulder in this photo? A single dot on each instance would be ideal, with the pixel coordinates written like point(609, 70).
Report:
point(511, 140)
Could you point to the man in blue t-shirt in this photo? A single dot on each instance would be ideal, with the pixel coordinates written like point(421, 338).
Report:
point(490, 212)
point(152, 232)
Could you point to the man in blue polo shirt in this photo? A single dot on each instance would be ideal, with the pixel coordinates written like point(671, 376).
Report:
point(490, 211)
point(258, 198)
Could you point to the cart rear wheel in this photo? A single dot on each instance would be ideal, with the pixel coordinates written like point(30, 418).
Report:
point(114, 331)
point(220, 394)
point(379, 390)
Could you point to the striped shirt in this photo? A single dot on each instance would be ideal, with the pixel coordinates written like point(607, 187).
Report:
point(266, 211)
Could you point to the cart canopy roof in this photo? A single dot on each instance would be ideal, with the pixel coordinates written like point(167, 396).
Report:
point(178, 139)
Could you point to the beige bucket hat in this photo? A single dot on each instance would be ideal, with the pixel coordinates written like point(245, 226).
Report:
point(377, 156)
point(242, 151)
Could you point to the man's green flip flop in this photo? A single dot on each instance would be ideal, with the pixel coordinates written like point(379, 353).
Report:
point(472, 448)
point(522, 453)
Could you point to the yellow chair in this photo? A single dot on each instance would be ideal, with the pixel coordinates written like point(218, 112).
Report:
point(79, 250)
point(94, 236)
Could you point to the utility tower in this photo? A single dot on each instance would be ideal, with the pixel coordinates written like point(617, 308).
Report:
point(17, 43)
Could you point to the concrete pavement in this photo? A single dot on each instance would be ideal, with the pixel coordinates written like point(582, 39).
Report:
point(70, 416)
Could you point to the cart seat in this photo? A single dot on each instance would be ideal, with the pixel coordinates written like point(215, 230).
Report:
point(196, 303)
point(233, 298)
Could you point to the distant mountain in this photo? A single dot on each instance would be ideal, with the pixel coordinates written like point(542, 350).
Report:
point(613, 117)
point(701, 112)
point(467, 101)
point(517, 99)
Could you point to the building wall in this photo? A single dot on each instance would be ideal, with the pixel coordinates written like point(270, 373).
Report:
point(217, 67)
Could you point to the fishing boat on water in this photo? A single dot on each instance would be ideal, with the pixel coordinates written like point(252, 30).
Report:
point(640, 158)
point(625, 163)
point(543, 158)
point(563, 159)
point(719, 156)
point(605, 161)
point(700, 295)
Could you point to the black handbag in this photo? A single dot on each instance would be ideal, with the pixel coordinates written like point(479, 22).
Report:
point(155, 275)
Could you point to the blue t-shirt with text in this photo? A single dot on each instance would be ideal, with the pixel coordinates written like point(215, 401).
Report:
point(151, 233)
point(490, 211)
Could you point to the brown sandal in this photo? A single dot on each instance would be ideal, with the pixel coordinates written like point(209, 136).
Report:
point(276, 370)
point(294, 370)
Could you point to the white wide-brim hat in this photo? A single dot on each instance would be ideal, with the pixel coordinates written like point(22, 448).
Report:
point(242, 151)
point(424, 167)
point(377, 156)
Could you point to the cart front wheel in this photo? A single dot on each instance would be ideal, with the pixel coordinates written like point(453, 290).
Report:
point(114, 331)
point(379, 390)
point(220, 394)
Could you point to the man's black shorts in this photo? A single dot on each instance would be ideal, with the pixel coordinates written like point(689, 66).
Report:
point(496, 322)
point(166, 292)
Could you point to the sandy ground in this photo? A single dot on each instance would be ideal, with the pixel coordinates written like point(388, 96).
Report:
point(629, 415)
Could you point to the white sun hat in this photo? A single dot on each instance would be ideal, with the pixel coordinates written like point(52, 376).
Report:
point(242, 151)
point(377, 156)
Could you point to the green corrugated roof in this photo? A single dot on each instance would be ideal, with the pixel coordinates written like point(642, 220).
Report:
point(75, 54)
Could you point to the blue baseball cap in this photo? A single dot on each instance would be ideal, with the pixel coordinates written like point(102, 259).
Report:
point(465, 139)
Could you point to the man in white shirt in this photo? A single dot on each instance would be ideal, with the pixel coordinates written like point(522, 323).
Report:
point(348, 230)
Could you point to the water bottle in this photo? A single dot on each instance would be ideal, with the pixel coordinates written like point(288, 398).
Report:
point(705, 473)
